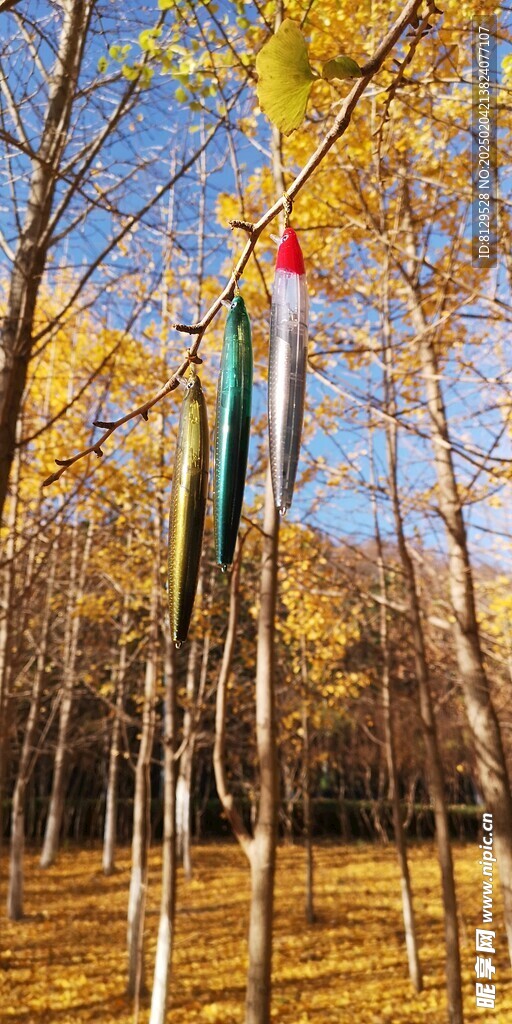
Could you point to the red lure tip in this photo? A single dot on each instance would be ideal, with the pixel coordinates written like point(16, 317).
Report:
point(289, 254)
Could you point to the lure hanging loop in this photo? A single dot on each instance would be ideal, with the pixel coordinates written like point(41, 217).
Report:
point(287, 207)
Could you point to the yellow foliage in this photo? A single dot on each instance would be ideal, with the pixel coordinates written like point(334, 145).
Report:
point(66, 963)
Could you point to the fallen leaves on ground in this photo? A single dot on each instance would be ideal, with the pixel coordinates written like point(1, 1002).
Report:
point(65, 962)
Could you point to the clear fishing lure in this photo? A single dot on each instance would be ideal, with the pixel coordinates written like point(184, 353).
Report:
point(287, 367)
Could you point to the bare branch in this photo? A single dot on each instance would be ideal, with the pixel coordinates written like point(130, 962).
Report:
point(7, 5)
point(23, 139)
point(225, 797)
point(337, 130)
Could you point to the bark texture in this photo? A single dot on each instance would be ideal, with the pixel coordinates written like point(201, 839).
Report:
point(263, 847)
point(109, 832)
point(6, 616)
point(482, 717)
point(169, 857)
point(434, 764)
point(32, 248)
point(306, 786)
point(72, 630)
point(142, 810)
point(197, 671)
point(26, 765)
point(411, 938)
point(427, 717)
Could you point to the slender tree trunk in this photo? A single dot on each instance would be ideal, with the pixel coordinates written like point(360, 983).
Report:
point(263, 847)
point(195, 695)
point(436, 786)
point(169, 858)
point(226, 798)
point(72, 629)
point(27, 758)
point(30, 256)
point(288, 801)
point(411, 940)
point(260, 848)
point(109, 832)
point(482, 718)
point(142, 809)
point(186, 761)
point(6, 612)
point(169, 851)
point(306, 785)
point(428, 722)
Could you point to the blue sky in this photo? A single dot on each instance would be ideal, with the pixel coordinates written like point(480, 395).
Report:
point(159, 132)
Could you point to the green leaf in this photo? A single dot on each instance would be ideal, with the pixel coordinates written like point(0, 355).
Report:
point(102, 65)
point(341, 67)
point(285, 77)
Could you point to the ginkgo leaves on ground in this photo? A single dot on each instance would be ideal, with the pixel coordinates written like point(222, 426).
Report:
point(285, 76)
point(65, 962)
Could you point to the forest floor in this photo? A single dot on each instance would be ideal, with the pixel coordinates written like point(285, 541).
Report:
point(65, 962)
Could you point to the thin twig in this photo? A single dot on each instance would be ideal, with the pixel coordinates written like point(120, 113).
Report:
point(337, 130)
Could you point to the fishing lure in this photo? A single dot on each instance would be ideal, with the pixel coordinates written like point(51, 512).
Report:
point(188, 505)
point(233, 421)
point(287, 367)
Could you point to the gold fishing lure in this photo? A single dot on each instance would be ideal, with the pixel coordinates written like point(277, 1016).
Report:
point(188, 505)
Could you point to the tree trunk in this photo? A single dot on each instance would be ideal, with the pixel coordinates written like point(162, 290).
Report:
point(26, 765)
point(411, 941)
point(6, 611)
point(72, 629)
point(428, 722)
point(260, 849)
point(225, 797)
point(263, 846)
point(195, 695)
point(482, 718)
point(31, 252)
point(288, 801)
point(306, 785)
point(109, 832)
point(185, 770)
point(142, 810)
point(169, 858)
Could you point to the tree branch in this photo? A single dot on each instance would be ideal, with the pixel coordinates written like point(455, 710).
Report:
point(338, 129)
point(226, 798)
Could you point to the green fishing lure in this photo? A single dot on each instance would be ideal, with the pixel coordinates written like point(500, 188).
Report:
point(188, 506)
point(233, 422)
